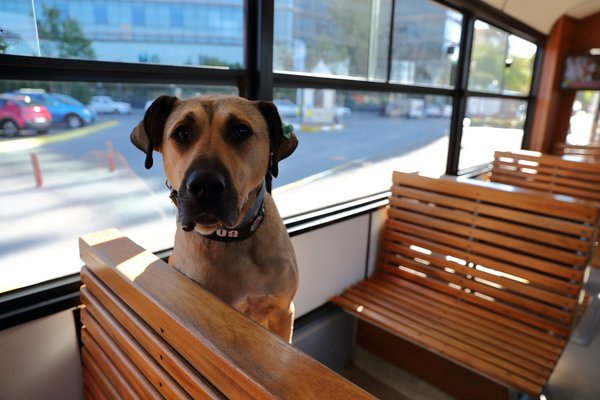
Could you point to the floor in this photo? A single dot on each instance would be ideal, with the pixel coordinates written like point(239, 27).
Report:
point(576, 377)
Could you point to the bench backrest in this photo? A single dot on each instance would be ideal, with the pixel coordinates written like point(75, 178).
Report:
point(518, 255)
point(591, 150)
point(572, 176)
point(150, 332)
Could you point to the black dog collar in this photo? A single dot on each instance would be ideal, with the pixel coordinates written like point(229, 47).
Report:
point(250, 223)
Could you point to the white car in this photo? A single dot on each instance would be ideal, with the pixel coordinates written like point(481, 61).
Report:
point(105, 104)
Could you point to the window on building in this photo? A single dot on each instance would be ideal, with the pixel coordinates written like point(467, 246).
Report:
point(126, 31)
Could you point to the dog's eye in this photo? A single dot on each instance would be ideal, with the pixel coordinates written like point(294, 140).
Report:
point(239, 133)
point(181, 134)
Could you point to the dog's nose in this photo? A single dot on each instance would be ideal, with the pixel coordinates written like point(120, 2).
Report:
point(205, 184)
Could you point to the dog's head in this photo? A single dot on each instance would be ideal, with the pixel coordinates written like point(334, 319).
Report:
point(216, 153)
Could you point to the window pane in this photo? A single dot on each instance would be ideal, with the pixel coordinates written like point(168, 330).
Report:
point(426, 43)
point(350, 141)
point(339, 37)
point(91, 178)
point(168, 32)
point(584, 126)
point(500, 62)
point(490, 125)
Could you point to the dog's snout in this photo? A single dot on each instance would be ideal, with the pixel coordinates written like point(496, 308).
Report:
point(205, 184)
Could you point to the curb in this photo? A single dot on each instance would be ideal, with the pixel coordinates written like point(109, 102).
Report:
point(9, 146)
point(318, 128)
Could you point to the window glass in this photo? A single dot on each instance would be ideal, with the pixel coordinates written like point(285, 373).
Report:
point(500, 62)
point(490, 124)
point(426, 43)
point(584, 126)
point(127, 31)
point(349, 141)
point(332, 37)
point(77, 175)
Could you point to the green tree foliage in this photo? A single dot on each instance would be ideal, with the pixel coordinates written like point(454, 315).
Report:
point(62, 37)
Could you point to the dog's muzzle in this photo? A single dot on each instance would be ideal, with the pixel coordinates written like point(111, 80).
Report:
point(205, 198)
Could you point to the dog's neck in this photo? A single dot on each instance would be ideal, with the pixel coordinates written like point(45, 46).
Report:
point(247, 226)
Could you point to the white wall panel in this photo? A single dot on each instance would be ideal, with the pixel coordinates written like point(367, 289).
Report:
point(330, 259)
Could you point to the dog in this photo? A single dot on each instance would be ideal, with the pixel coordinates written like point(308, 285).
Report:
point(219, 155)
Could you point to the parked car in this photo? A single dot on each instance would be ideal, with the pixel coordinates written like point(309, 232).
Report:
point(63, 108)
point(19, 113)
point(287, 108)
point(342, 112)
point(105, 104)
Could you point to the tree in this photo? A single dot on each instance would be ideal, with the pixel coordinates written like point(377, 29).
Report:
point(62, 37)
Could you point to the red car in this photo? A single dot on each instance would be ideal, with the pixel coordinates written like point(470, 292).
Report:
point(19, 113)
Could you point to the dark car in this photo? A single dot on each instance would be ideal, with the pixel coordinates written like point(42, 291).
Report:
point(64, 109)
point(19, 113)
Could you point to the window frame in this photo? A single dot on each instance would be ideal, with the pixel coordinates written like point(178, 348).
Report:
point(256, 81)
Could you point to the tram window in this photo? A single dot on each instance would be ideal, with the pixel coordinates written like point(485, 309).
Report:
point(124, 32)
point(584, 125)
point(426, 43)
point(490, 124)
point(500, 62)
point(333, 37)
point(90, 178)
point(350, 140)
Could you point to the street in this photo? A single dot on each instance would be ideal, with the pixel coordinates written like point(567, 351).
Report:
point(85, 187)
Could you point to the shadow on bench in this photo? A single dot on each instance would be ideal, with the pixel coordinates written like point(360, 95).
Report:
point(150, 333)
point(485, 275)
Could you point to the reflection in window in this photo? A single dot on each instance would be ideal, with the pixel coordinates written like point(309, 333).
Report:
point(350, 140)
point(584, 125)
point(426, 43)
point(339, 37)
point(126, 31)
point(490, 124)
point(92, 177)
point(500, 62)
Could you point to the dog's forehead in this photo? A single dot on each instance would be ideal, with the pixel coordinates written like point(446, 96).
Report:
point(207, 108)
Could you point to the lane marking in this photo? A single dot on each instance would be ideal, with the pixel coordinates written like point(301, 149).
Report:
point(21, 144)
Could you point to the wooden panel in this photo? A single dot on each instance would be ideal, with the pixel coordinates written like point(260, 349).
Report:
point(130, 378)
point(240, 358)
point(161, 353)
point(153, 375)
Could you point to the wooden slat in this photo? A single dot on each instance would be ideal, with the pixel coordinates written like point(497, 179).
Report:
point(487, 330)
point(152, 373)
point(95, 379)
point(544, 281)
point(135, 383)
point(161, 353)
point(438, 261)
point(240, 358)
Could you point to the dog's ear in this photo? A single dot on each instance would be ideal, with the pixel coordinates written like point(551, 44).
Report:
point(283, 141)
point(147, 135)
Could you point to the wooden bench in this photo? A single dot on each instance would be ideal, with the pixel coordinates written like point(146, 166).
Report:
point(151, 333)
point(485, 275)
point(591, 150)
point(572, 176)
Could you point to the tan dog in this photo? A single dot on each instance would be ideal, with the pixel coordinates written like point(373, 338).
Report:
point(217, 152)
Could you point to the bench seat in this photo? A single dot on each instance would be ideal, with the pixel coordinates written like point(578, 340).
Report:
point(149, 332)
point(485, 275)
